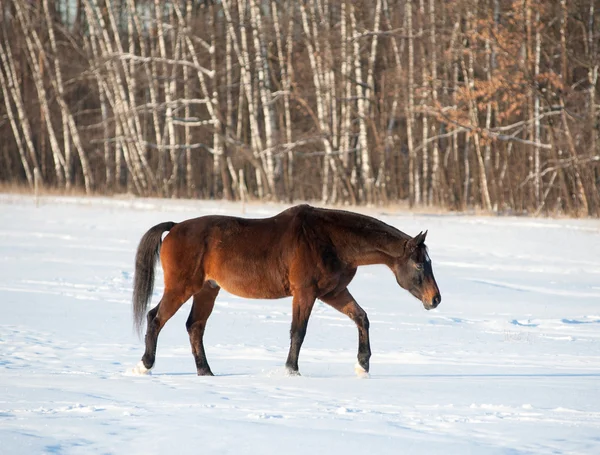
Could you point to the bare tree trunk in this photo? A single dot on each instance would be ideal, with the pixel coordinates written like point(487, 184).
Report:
point(370, 88)
point(424, 119)
point(262, 70)
point(229, 114)
point(493, 68)
point(244, 62)
point(320, 76)
point(467, 171)
point(104, 97)
point(329, 73)
point(389, 143)
point(130, 116)
point(285, 66)
point(219, 169)
point(35, 61)
point(346, 68)
point(487, 154)
point(13, 125)
point(593, 78)
point(189, 176)
point(469, 75)
point(563, 46)
point(315, 63)
point(11, 81)
point(150, 70)
point(170, 97)
point(536, 115)
point(125, 124)
point(109, 178)
point(526, 62)
point(594, 66)
point(455, 73)
point(413, 174)
point(288, 88)
point(169, 91)
point(434, 193)
point(210, 102)
point(60, 94)
point(362, 95)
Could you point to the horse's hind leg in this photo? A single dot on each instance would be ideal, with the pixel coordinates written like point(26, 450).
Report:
point(345, 303)
point(204, 301)
point(158, 316)
point(301, 307)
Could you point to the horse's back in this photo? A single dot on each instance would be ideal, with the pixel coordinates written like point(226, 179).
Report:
point(247, 257)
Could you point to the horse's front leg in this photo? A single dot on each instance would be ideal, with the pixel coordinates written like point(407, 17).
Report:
point(301, 307)
point(345, 303)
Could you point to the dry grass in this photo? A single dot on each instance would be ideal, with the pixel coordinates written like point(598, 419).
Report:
point(18, 188)
point(393, 208)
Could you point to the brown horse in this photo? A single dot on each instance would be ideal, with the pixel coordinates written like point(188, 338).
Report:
point(304, 252)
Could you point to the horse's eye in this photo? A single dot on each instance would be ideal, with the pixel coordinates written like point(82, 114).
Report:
point(419, 267)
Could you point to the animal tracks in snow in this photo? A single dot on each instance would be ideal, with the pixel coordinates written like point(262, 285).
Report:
point(509, 362)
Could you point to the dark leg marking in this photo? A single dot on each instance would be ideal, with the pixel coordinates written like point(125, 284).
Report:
point(345, 303)
point(301, 307)
point(157, 318)
point(204, 302)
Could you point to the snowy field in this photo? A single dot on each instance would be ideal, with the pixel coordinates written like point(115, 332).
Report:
point(508, 364)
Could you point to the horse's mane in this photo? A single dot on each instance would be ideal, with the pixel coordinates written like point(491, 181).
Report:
point(352, 232)
point(359, 222)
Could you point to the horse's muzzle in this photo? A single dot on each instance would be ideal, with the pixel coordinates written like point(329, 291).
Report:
point(435, 301)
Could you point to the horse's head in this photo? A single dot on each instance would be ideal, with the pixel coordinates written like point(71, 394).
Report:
point(414, 272)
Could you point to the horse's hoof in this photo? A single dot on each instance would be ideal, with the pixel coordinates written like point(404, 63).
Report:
point(205, 373)
point(292, 372)
point(361, 372)
point(140, 370)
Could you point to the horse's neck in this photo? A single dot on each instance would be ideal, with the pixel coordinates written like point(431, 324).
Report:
point(366, 241)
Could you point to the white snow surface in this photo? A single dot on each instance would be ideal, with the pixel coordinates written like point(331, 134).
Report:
point(508, 364)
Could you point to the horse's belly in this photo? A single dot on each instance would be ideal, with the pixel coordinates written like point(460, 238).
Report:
point(252, 289)
point(256, 277)
point(256, 293)
point(252, 292)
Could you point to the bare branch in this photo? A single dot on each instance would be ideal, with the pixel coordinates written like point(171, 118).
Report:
point(170, 61)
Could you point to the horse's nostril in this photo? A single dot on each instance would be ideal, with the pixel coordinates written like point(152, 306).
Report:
point(436, 300)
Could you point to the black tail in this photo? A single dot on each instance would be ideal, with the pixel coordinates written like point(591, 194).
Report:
point(143, 278)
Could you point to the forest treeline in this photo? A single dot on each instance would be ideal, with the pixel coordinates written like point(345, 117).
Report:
point(489, 104)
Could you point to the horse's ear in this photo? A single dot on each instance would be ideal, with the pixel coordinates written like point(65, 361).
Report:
point(420, 238)
point(415, 242)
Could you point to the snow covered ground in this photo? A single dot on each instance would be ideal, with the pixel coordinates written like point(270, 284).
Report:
point(509, 363)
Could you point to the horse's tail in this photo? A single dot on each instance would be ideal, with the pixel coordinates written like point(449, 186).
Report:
point(143, 278)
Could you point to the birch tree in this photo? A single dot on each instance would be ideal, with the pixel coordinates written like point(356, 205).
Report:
point(413, 174)
point(469, 103)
